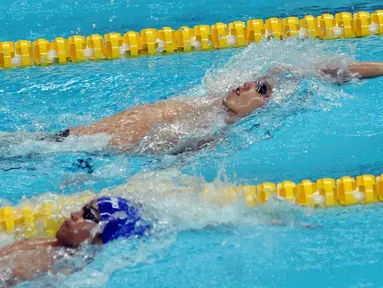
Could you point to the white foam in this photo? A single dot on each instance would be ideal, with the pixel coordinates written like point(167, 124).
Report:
point(268, 33)
point(6, 239)
point(51, 55)
point(373, 28)
point(231, 40)
point(319, 199)
point(359, 196)
point(172, 201)
point(24, 143)
point(338, 31)
point(257, 59)
point(176, 199)
point(194, 43)
point(161, 43)
point(16, 61)
point(123, 48)
point(88, 52)
point(303, 33)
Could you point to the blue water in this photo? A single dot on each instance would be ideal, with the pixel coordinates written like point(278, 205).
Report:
point(337, 132)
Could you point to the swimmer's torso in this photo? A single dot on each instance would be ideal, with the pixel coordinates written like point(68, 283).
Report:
point(129, 126)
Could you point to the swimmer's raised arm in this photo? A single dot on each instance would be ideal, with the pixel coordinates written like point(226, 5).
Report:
point(339, 72)
point(361, 70)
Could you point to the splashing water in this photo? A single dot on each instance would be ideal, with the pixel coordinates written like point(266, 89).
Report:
point(14, 144)
point(172, 202)
point(295, 92)
point(299, 90)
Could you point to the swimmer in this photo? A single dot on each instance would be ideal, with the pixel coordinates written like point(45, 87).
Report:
point(176, 125)
point(100, 221)
point(128, 127)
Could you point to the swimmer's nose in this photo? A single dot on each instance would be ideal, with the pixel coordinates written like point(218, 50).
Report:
point(239, 90)
point(75, 216)
point(248, 85)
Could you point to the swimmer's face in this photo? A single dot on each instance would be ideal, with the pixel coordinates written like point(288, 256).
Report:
point(77, 228)
point(246, 98)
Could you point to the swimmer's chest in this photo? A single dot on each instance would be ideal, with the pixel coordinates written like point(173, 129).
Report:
point(146, 115)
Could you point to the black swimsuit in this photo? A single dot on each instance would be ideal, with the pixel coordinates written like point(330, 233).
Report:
point(58, 137)
point(63, 134)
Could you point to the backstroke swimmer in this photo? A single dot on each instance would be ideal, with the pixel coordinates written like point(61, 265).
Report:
point(181, 124)
point(100, 221)
point(127, 128)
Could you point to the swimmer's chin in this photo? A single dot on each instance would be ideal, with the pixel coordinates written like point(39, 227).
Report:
point(232, 116)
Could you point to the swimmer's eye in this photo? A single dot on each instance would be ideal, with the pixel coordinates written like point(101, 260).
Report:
point(90, 214)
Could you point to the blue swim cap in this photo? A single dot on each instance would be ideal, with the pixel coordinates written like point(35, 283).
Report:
point(119, 218)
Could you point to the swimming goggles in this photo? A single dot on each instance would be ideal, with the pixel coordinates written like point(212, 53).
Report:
point(90, 213)
point(263, 88)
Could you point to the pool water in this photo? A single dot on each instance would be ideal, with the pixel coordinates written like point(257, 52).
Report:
point(319, 130)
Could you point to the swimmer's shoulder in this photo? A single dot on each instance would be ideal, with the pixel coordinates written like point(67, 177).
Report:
point(174, 105)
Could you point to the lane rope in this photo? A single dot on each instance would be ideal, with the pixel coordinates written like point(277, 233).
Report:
point(44, 220)
point(150, 41)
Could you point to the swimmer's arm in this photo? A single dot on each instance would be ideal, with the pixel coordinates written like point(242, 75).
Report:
point(28, 244)
point(280, 69)
point(361, 70)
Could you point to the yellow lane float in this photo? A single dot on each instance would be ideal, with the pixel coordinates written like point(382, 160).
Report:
point(28, 221)
point(151, 41)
